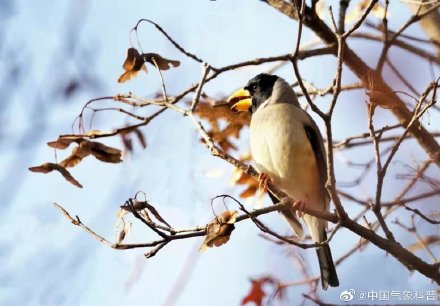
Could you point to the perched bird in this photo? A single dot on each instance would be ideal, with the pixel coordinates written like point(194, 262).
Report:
point(288, 149)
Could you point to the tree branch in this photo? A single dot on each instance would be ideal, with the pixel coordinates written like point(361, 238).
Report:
point(393, 102)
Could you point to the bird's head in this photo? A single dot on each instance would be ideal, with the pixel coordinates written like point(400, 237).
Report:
point(261, 90)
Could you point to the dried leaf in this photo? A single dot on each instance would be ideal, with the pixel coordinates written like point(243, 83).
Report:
point(140, 205)
point(76, 138)
point(97, 149)
point(135, 62)
point(132, 65)
point(141, 138)
point(124, 232)
point(226, 145)
point(127, 76)
point(137, 205)
point(66, 174)
point(162, 63)
point(249, 192)
point(44, 168)
point(220, 133)
point(239, 177)
point(49, 167)
point(63, 143)
point(256, 294)
point(157, 215)
point(93, 133)
point(77, 155)
point(219, 230)
point(105, 153)
point(228, 217)
point(225, 125)
point(98, 146)
point(71, 161)
point(119, 220)
point(128, 142)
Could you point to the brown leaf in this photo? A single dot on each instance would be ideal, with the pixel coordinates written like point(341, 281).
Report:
point(124, 232)
point(227, 217)
point(97, 149)
point(226, 125)
point(94, 133)
point(77, 155)
point(249, 192)
point(162, 63)
point(216, 115)
point(71, 161)
point(137, 205)
point(63, 143)
point(66, 174)
point(135, 62)
point(219, 230)
point(140, 205)
point(132, 65)
point(128, 142)
point(44, 168)
point(226, 145)
point(141, 138)
point(119, 220)
point(256, 294)
point(156, 214)
point(49, 167)
point(239, 177)
point(127, 76)
point(105, 153)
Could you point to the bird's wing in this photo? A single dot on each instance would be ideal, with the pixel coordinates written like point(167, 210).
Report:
point(317, 143)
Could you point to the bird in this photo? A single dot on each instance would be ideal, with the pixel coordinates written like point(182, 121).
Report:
point(288, 149)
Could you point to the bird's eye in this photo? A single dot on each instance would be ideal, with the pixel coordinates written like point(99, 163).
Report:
point(252, 88)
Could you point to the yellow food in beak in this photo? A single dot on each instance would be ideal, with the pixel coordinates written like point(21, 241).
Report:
point(242, 99)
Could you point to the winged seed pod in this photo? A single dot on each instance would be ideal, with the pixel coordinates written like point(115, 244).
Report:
point(135, 62)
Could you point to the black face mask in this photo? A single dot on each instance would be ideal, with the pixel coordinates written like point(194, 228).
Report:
point(260, 88)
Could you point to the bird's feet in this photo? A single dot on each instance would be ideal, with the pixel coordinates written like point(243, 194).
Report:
point(263, 180)
point(299, 207)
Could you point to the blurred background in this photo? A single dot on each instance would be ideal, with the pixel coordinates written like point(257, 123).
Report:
point(57, 55)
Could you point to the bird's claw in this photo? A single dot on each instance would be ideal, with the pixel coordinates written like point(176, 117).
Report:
point(299, 207)
point(263, 181)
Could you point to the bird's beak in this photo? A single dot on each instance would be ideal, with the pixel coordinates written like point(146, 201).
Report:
point(242, 100)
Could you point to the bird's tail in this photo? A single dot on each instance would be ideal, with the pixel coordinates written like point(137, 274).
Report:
point(327, 267)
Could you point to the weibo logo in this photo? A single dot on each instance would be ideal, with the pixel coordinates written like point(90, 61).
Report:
point(347, 295)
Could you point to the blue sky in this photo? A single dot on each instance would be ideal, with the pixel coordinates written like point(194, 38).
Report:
point(47, 261)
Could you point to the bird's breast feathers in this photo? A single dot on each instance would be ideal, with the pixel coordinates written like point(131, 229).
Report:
point(280, 147)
